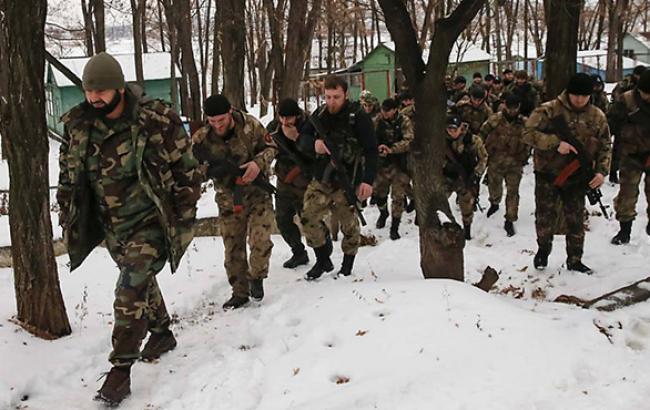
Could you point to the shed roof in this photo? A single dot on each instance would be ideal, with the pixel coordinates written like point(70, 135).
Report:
point(156, 66)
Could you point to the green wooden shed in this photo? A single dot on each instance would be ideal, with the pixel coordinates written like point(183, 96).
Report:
point(61, 94)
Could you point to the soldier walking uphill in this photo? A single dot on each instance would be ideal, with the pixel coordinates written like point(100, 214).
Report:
point(347, 150)
point(234, 152)
point(465, 161)
point(614, 117)
point(507, 155)
point(572, 151)
point(394, 135)
point(473, 110)
point(292, 171)
point(528, 95)
point(633, 119)
point(127, 176)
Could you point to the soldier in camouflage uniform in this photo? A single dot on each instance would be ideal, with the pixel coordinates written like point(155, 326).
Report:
point(552, 156)
point(507, 154)
point(614, 116)
point(292, 172)
point(394, 134)
point(464, 163)
point(473, 110)
point(351, 135)
point(245, 210)
point(369, 103)
point(632, 117)
point(460, 90)
point(127, 176)
point(494, 98)
point(527, 94)
point(599, 96)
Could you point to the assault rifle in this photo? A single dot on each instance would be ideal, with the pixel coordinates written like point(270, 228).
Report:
point(341, 172)
point(580, 167)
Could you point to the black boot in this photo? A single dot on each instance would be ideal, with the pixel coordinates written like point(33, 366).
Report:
point(235, 302)
point(157, 345)
point(492, 209)
point(578, 266)
point(623, 235)
point(323, 262)
point(647, 229)
point(541, 258)
point(257, 289)
point(381, 221)
point(394, 228)
point(510, 228)
point(410, 207)
point(346, 266)
point(297, 259)
point(116, 387)
point(468, 231)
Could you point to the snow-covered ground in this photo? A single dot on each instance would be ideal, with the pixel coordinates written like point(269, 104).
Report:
point(381, 339)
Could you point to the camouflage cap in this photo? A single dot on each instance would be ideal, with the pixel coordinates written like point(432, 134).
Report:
point(103, 72)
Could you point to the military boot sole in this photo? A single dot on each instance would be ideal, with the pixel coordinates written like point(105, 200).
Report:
point(109, 402)
point(310, 276)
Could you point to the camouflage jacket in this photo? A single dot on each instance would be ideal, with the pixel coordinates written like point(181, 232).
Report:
point(474, 116)
point(503, 140)
point(621, 88)
point(588, 125)
point(467, 151)
point(599, 99)
point(249, 141)
point(397, 134)
point(409, 111)
point(632, 116)
point(166, 170)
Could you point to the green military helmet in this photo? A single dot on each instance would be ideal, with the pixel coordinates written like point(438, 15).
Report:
point(367, 97)
point(103, 72)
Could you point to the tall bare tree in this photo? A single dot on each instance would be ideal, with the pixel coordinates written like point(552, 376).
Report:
point(233, 50)
point(441, 243)
point(40, 307)
point(563, 20)
point(616, 13)
point(94, 26)
point(137, 11)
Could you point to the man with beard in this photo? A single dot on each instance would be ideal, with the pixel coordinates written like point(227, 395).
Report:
point(234, 139)
point(524, 90)
point(507, 154)
point(633, 118)
point(127, 176)
point(350, 135)
point(473, 110)
point(555, 186)
point(293, 175)
point(394, 135)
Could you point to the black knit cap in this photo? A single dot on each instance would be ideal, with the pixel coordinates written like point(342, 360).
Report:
point(460, 80)
point(389, 104)
point(644, 82)
point(216, 105)
point(288, 108)
point(512, 100)
point(638, 70)
point(580, 84)
point(477, 92)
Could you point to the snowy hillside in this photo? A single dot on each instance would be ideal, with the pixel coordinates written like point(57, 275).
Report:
point(382, 339)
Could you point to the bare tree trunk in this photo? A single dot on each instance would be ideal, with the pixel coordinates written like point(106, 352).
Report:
point(250, 57)
point(497, 22)
point(143, 26)
point(161, 26)
point(233, 51)
point(216, 50)
point(87, 12)
point(170, 16)
point(614, 63)
point(562, 17)
point(426, 25)
point(40, 306)
point(136, 16)
point(441, 245)
point(99, 32)
point(202, 56)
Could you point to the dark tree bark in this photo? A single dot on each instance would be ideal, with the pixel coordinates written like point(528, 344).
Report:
point(441, 244)
point(614, 52)
point(99, 31)
point(40, 307)
point(143, 27)
point(563, 20)
point(233, 50)
point(216, 50)
point(136, 15)
point(86, 11)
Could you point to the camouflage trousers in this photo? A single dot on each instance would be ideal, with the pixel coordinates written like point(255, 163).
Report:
point(320, 199)
point(512, 176)
point(465, 199)
point(139, 304)
point(288, 203)
point(397, 181)
point(628, 194)
point(255, 222)
point(548, 201)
